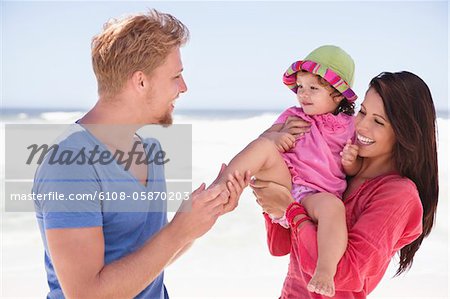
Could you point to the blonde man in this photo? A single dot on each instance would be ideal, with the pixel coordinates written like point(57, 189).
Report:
point(98, 254)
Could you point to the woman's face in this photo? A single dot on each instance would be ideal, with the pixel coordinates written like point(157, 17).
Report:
point(374, 134)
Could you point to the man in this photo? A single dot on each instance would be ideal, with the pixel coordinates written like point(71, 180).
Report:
point(93, 252)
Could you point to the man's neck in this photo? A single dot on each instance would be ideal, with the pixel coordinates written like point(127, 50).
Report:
point(114, 122)
point(114, 111)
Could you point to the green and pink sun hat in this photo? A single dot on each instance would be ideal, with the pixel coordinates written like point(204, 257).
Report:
point(329, 62)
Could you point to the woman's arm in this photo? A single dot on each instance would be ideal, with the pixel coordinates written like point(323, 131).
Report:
point(390, 220)
point(278, 238)
point(274, 199)
point(273, 128)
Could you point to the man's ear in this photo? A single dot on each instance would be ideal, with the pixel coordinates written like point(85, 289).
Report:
point(139, 80)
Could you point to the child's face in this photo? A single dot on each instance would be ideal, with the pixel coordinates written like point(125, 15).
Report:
point(313, 97)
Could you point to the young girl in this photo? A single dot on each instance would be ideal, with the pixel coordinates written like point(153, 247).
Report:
point(310, 165)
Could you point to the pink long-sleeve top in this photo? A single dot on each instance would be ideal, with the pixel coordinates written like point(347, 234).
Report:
point(383, 215)
point(315, 159)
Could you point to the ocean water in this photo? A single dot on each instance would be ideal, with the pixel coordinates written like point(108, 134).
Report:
point(230, 261)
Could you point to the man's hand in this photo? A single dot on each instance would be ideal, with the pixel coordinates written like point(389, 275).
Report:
point(197, 215)
point(235, 184)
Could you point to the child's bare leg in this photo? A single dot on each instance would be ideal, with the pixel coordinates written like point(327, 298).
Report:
point(263, 160)
point(329, 212)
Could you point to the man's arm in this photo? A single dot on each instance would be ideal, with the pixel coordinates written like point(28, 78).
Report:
point(78, 253)
point(181, 252)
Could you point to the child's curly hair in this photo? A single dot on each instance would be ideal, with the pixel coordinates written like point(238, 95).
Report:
point(344, 106)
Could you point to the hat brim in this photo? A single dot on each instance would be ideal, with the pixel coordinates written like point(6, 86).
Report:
point(290, 77)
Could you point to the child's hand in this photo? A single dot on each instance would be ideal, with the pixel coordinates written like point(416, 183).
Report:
point(283, 141)
point(349, 154)
point(295, 126)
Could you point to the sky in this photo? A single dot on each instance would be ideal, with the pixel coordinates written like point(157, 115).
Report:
point(237, 53)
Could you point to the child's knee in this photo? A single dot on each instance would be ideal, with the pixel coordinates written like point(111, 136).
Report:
point(264, 145)
point(326, 203)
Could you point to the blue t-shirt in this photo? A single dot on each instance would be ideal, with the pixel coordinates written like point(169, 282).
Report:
point(127, 220)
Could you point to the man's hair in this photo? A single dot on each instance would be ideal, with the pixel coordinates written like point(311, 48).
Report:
point(134, 43)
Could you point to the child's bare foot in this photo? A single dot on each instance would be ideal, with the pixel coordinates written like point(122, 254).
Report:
point(322, 283)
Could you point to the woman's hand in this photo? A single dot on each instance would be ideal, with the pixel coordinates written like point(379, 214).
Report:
point(272, 197)
point(283, 141)
point(295, 126)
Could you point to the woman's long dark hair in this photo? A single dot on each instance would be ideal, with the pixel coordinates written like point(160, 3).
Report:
point(410, 109)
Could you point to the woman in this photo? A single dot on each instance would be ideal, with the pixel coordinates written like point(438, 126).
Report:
point(390, 203)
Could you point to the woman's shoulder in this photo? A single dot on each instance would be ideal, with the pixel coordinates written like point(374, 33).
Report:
point(388, 209)
point(394, 180)
point(394, 189)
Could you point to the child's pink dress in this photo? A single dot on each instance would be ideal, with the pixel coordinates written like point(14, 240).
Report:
point(315, 161)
